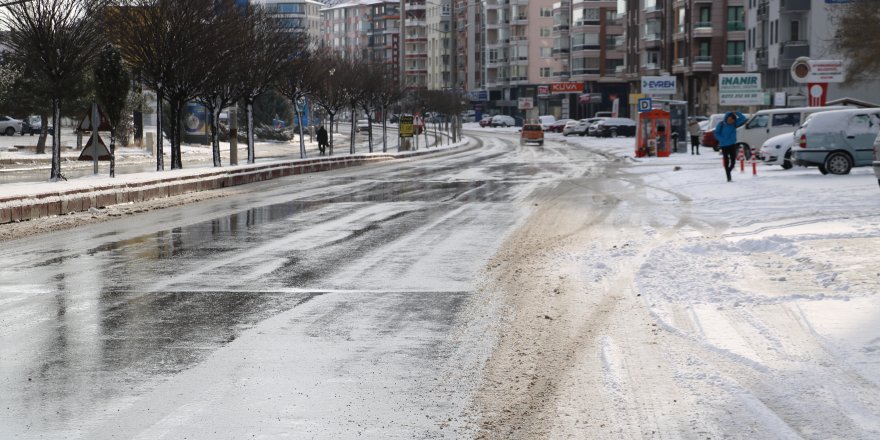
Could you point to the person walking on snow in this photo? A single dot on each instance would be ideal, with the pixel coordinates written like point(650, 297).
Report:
point(694, 131)
point(322, 140)
point(725, 133)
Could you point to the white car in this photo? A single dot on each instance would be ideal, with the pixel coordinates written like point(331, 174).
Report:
point(502, 121)
point(10, 126)
point(571, 127)
point(777, 150)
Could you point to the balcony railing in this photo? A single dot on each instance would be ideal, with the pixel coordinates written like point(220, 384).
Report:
point(703, 59)
point(736, 26)
point(703, 24)
point(734, 60)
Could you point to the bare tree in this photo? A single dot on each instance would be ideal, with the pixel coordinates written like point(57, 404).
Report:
point(296, 85)
point(268, 47)
point(221, 85)
point(860, 46)
point(58, 40)
point(326, 89)
point(165, 41)
point(388, 93)
point(352, 86)
point(112, 84)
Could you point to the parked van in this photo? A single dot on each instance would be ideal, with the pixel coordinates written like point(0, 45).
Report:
point(765, 124)
point(836, 141)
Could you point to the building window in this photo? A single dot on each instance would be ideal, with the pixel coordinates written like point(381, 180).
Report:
point(795, 30)
point(704, 55)
point(736, 18)
point(585, 42)
point(545, 32)
point(546, 12)
point(735, 51)
point(705, 17)
point(586, 16)
point(545, 72)
point(546, 52)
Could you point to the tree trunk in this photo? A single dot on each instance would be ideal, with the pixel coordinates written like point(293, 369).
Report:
point(352, 130)
point(55, 173)
point(112, 152)
point(331, 132)
point(160, 150)
point(44, 131)
point(302, 141)
point(384, 128)
point(215, 132)
point(250, 129)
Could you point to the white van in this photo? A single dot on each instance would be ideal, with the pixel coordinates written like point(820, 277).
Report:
point(765, 124)
point(546, 121)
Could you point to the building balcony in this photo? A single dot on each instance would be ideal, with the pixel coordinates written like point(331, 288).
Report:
point(581, 23)
point(415, 22)
point(561, 28)
point(794, 6)
point(792, 50)
point(560, 6)
point(703, 29)
point(763, 10)
point(680, 66)
point(702, 63)
point(761, 57)
point(561, 50)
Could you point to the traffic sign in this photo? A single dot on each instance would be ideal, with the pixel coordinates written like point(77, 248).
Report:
point(406, 126)
point(645, 105)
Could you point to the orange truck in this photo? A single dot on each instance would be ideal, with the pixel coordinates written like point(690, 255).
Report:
point(532, 133)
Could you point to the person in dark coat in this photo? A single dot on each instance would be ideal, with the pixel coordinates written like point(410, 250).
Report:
point(725, 133)
point(323, 140)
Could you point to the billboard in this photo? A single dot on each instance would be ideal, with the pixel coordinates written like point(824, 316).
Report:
point(740, 89)
point(658, 85)
point(567, 87)
point(805, 70)
point(525, 103)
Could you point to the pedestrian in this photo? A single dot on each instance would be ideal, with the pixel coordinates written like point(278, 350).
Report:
point(725, 133)
point(694, 130)
point(323, 142)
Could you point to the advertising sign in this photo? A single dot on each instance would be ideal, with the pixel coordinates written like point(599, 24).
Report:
point(543, 91)
point(805, 70)
point(740, 89)
point(525, 103)
point(406, 126)
point(658, 85)
point(645, 105)
point(568, 87)
point(479, 95)
point(818, 94)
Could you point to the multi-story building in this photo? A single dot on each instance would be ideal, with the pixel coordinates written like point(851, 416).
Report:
point(414, 50)
point(468, 67)
point(588, 40)
point(345, 29)
point(297, 15)
point(383, 45)
point(440, 50)
point(778, 32)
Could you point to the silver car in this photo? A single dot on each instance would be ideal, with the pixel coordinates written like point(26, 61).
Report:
point(10, 126)
point(877, 158)
point(836, 141)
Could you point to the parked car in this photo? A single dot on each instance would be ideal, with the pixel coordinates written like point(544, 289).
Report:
point(777, 150)
point(768, 123)
point(603, 115)
point(593, 125)
point(9, 126)
point(363, 125)
point(707, 136)
point(584, 125)
point(569, 128)
point(612, 127)
point(486, 121)
point(837, 141)
point(394, 119)
point(468, 116)
point(559, 125)
point(531, 133)
point(503, 121)
point(546, 121)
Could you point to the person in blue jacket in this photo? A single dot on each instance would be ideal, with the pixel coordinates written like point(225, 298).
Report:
point(725, 134)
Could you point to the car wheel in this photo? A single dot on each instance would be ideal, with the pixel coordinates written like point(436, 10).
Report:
point(613, 133)
point(822, 169)
point(10, 131)
point(838, 163)
point(786, 162)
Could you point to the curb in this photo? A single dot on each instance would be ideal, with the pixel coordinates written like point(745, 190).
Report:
point(52, 203)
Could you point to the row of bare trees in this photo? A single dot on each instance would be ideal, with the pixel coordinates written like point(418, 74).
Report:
point(210, 51)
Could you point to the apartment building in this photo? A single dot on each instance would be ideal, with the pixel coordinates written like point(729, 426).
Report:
point(440, 45)
point(297, 15)
point(383, 32)
point(780, 31)
point(468, 67)
point(345, 29)
point(414, 50)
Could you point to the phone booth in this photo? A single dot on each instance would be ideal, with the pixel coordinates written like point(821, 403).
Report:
point(653, 136)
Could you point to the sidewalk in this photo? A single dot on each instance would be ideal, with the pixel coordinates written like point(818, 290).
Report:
point(31, 200)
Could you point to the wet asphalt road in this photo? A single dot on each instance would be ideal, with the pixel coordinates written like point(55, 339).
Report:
point(331, 305)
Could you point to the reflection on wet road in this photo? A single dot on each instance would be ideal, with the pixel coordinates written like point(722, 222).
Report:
point(336, 292)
